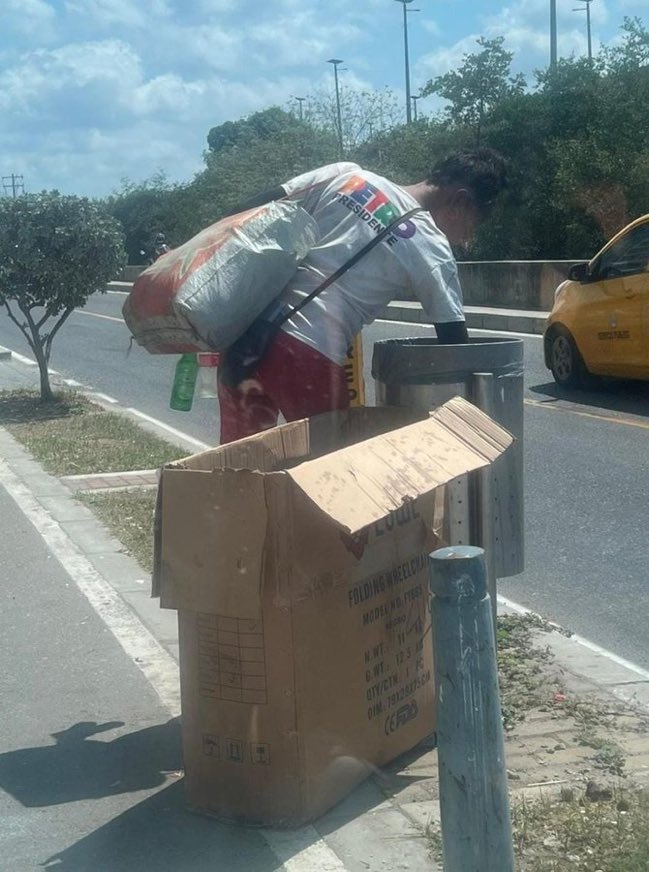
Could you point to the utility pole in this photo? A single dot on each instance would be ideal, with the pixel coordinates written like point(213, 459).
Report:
point(553, 34)
point(590, 42)
point(404, 3)
point(13, 183)
point(300, 101)
point(336, 62)
point(414, 99)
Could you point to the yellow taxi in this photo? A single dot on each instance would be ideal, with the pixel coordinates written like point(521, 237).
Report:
point(599, 324)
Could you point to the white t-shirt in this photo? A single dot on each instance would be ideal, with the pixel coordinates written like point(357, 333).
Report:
point(350, 205)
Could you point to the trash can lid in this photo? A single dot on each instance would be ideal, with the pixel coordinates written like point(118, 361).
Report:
point(423, 360)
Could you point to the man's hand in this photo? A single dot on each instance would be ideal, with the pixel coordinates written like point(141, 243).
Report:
point(452, 333)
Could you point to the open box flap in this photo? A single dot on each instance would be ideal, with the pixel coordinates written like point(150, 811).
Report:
point(363, 483)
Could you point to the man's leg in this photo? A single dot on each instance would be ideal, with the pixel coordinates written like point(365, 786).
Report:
point(301, 381)
point(245, 410)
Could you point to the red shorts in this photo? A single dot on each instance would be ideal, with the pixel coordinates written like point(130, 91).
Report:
point(293, 379)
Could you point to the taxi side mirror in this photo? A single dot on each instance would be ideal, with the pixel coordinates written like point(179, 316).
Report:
point(578, 272)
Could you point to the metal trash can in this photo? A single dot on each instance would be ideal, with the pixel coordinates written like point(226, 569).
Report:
point(489, 373)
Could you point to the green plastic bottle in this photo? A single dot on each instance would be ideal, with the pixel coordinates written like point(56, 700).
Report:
point(182, 393)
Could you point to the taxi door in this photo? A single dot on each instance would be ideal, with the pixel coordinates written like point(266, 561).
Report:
point(612, 324)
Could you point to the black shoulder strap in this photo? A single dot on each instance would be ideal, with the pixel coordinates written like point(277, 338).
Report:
point(349, 264)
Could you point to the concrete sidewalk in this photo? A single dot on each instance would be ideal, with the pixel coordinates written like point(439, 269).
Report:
point(383, 824)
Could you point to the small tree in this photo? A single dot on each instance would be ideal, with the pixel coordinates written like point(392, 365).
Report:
point(55, 251)
point(481, 82)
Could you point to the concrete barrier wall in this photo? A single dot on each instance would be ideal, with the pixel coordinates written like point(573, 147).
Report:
point(505, 284)
point(511, 284)
point(129, 273)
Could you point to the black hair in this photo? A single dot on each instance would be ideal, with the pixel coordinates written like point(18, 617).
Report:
point(483, 171)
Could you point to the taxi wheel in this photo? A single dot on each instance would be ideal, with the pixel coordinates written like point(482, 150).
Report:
point(566, 362)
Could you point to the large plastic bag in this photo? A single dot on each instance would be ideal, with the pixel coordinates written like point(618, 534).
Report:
point(205, 294)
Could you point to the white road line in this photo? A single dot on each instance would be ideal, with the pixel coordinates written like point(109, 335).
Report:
point(191, 440)
point(580, 640)
point(97, 315)
point(471, 329)
point(142, 648)
point(506, 333)
point(27, 360)
point(169, 429)
point(120, 293)
point(105, 397)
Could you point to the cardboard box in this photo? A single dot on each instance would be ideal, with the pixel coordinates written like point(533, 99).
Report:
point(297, 561)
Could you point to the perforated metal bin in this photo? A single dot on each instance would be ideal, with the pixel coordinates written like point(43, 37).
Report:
point(489, 373)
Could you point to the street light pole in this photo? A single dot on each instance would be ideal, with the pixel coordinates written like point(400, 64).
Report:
point(300, 101)
point(553, 34)
point(590, 42)
point(336, 62)
point(404, 3)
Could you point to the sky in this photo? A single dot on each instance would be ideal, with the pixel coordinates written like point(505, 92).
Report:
point(96, 91)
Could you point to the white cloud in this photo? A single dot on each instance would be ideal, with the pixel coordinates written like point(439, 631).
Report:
point(24, 18)
point(431, 26)
point(55, 84)
point(125, 13)
point(211, 44)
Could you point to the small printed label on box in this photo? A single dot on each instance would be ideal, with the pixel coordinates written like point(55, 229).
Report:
point(211, 747)
point(233, 750)
point(260, 753)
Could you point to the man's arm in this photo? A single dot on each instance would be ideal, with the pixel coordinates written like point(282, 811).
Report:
point(452, 333)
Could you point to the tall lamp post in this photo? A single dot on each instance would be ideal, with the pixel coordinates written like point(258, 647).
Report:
point(336, 63)
point(587, 8)
point(405, 3)
point(300, 101)
point(553, 34)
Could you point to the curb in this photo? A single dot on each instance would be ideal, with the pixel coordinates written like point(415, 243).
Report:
point(477, 318)
point(5, 354)
point(584, 659)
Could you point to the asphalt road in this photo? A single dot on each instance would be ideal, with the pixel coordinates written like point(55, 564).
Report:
point(586, 466)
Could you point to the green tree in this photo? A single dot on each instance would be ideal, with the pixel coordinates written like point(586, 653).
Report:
point(268, 124)
point(363, 114)
point(55, 251)
point(481, 82)
point(153, 206)
point(254, 162)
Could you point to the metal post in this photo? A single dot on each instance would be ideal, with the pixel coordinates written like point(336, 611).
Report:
point(476, 824)
point(553, 33)
point(336, 62)
point(590, 39)
point(300, 101)
point(404, 3)
point(485, 499)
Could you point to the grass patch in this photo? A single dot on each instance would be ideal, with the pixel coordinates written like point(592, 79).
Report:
point(609, 756)
point(583, 836)
point(522, 677)
point(73, 436)
point(129, 517)
point(576, 834)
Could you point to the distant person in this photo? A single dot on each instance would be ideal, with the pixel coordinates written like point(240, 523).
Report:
point(302, 373)
point(160, 247)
